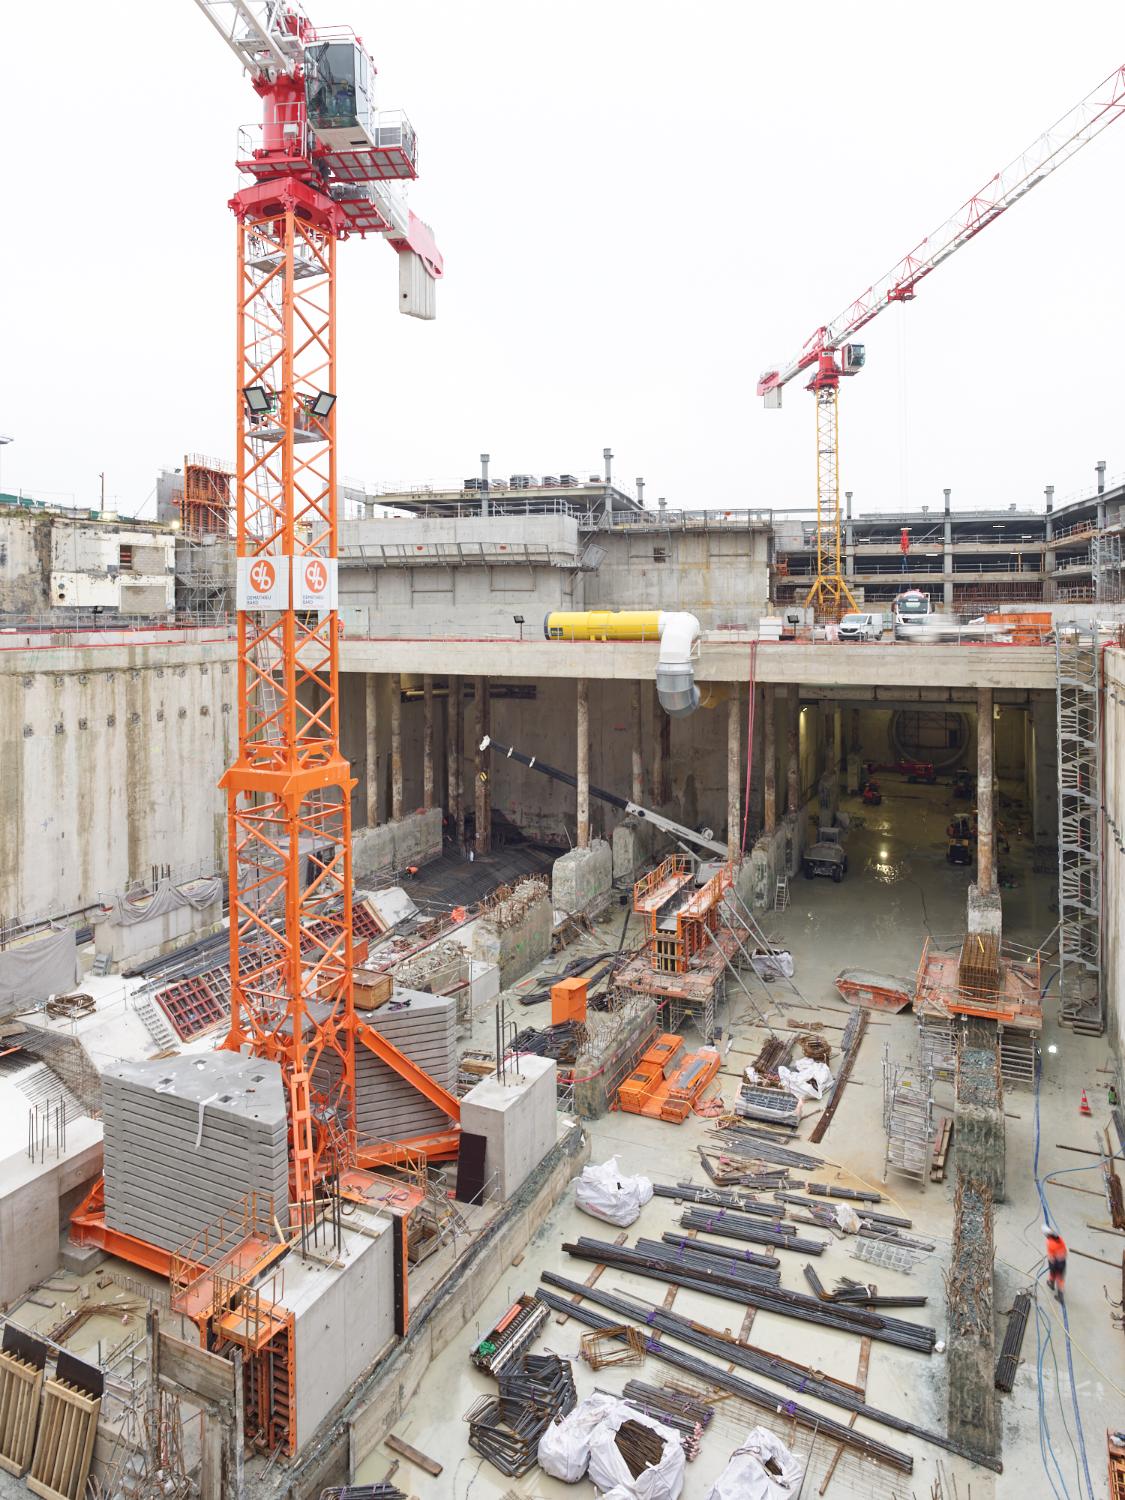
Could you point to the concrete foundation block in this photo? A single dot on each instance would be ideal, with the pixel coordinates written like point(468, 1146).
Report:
point(984, 912)
point(78, 1259)
point(582, 879)
point(634, 845)
point(517, 1117)
point(516, 934)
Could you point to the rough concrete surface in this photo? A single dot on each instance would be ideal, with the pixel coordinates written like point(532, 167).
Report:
point(582, 879)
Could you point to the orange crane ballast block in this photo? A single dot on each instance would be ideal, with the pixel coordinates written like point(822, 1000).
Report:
point(667, 1081)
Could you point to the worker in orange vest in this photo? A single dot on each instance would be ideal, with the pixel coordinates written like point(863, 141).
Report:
point(1056, 1261)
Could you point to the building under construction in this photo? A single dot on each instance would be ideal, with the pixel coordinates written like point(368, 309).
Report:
point(351, 971)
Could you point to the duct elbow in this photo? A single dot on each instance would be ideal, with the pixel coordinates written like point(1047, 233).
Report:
point(675, 670)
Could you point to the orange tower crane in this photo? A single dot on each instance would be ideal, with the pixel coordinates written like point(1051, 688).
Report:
point(316, 172)
point(831, 353)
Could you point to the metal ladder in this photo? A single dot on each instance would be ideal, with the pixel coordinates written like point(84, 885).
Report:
point(156, 1024)
point(781, 894)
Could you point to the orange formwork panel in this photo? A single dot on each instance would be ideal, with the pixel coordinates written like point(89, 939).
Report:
point(647, 1077)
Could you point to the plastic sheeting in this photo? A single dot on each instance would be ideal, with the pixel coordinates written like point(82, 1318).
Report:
point(807, 1078)
point(166, 897)
point(33, 971)
point(564, 1449)
point(606, 1194)
point(746, 1476)
point(610, 1473)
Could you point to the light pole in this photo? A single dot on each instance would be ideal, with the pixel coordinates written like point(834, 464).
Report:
point(4, 441)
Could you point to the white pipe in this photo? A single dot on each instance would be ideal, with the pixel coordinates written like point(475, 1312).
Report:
point(675, 670)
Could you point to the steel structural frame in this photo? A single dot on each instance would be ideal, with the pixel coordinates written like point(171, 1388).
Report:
point(1078, 674)
point(288, 793)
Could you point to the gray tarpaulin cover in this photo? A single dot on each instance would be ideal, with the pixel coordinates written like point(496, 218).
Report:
point(167, 897)
point(31, 972)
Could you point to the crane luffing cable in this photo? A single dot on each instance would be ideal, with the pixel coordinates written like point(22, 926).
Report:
point(829, 355)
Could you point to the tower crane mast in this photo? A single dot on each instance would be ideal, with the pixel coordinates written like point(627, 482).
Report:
point(830, 354)
point(323, 165)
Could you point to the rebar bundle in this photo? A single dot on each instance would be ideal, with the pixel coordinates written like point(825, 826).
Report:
point(506, 1428)
point(514, 1332)
point(661, 1264)
point(639, 1446)
point(761, 1145)
point(684, 1414)
point(1008, 1363)
point(736, 1225)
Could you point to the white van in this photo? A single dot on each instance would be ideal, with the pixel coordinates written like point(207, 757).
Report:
point(861, 627)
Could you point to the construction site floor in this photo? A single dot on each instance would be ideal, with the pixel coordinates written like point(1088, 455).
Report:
point(899, 889)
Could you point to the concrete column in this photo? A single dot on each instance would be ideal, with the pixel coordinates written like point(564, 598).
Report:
point(396, 746)
point(849, 537)
point(370, 728)
point(582, 762)
point(838, 732)
point(793, 746)
point(482, 786)
point(665, 730)
point(986, 878)
point(769, 755)
point(657, 752)
point(856, 737)
point(453, 759)
point(734, 773)
point(428, 743)
point(637, 791)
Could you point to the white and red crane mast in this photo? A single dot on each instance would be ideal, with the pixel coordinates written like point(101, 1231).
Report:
point(830, 354)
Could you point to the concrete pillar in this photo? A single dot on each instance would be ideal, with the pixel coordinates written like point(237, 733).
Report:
point(793, 747)
point(856, 736)
point(986, 877)
point(838, 733)
point(734, 773)
point(396, 746)
point(428, 743)
point(947, 556)
point(637, 790)
point(657, 752)
point(453, 759)
point(582, 762)
point(769, 755)
point(482, 785)
point(665, 732)
point(849, 537)
point(1048, 532)
point(371, 724)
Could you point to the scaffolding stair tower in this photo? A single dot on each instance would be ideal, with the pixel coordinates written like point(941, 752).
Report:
point(1078, 670)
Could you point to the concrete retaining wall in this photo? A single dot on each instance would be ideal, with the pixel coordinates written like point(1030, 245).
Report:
point(413, 840)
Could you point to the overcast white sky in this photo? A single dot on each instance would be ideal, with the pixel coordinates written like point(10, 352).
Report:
point(641, 205)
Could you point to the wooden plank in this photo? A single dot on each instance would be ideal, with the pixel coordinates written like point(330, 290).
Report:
point(842, 1077)
point(591, 1280)
point(199, 1373)
point(861, 1386)
point(941, 1151)
point(65, 1444)
point(20, 1383)
point(396, 1445)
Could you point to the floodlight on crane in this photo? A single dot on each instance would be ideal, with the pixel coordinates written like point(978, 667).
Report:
point(831, 353)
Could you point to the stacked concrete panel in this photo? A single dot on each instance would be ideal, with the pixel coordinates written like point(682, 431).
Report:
point(187, 1138)
point(422, 1026)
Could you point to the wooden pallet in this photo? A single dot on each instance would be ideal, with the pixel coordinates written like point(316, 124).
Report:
point(20, 1384)
point(65, 1444)
point(941, 1150)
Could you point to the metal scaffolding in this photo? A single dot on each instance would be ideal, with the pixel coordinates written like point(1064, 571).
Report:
point(1078, 668)
point(1105, 563)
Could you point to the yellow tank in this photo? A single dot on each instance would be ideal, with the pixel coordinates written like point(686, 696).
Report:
point(602, 625)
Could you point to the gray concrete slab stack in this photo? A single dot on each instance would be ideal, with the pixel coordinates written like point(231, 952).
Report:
point(187, 1138)
point(424, 1027)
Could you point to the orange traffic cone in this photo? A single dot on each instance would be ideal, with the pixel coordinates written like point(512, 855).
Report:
point(1084, 1107)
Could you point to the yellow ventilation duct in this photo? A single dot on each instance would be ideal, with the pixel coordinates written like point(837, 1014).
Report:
point(677, 632)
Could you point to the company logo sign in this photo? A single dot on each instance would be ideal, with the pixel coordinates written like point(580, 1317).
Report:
point(315, 583)
point(262, 583)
